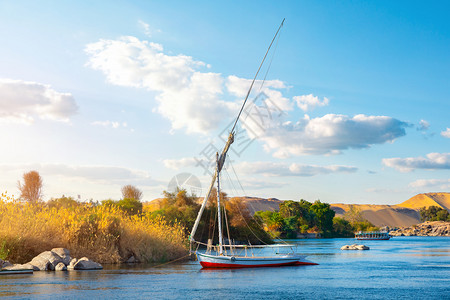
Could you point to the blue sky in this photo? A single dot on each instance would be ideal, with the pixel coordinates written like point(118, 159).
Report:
point(99, 95)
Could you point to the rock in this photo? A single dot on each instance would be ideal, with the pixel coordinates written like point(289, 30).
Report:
point(64, 254)
point(131, 260)
point(6, 264)
point(429, 228)
point(355, 247)
point(61, 267)
point(46, 261)
point(362, 247)
point(86, 264)
point(21, 267)
point(72, 264)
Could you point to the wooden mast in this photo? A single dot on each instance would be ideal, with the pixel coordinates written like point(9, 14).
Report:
point(219, 217)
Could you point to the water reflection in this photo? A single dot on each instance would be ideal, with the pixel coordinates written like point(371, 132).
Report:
point(399, 268)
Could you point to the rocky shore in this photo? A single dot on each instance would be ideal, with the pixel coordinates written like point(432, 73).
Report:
point(57, 259)
point(434, 228)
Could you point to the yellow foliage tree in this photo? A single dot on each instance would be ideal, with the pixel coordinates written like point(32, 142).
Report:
point(31, 189)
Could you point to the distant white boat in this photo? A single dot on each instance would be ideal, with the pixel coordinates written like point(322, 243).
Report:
point(372, 235)
point(239, 256)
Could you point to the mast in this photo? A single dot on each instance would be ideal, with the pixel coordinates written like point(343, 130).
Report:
point(221, 160)
point(219, 217)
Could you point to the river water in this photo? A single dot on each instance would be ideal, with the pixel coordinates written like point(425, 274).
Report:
point(401, 268)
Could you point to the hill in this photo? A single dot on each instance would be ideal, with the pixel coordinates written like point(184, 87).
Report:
point(400, 215)
point(382, 215)
point(429, 199)
point(255, 204)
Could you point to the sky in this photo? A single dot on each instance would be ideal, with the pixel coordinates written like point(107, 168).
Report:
point(354, 108)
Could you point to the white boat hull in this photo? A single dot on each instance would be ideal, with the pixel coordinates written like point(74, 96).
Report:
point(222, 261)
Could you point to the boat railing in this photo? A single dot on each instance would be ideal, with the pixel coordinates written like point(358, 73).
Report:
point(246, 250)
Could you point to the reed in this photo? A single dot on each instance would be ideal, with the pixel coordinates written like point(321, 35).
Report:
point(102, 233)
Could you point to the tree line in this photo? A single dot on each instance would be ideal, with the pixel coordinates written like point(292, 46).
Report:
point(31, 191)
point(301, 217)
point(434, 213)
point(291, 219)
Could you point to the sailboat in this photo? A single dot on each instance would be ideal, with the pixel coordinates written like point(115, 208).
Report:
point(239, 256)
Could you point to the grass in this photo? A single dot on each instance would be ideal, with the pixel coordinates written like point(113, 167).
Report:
point(103, 233)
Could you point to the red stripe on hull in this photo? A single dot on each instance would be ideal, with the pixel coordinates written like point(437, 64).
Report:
point(384, 239)
point(220, 265)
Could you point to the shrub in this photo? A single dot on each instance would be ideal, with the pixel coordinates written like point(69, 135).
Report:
point(103, 233)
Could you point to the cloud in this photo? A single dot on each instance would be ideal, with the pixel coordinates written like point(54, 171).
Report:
point(309, 102)
point(443, 184)
point(188, 98)
point(197, 106)
point(423, 125)
point(134, 63)
point(193, 100)
point(383, 190)
point(446, 133)
point(177, 164)
point(111, 124)
point(90, 173)
point(330, 134)
point(24, 101)
point(294, 169)
point(147, 30)
point(433, 161)
point(256, 184)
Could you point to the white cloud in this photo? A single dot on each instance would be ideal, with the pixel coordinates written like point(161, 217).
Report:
point(239, 86)
point(24, 101)
point(256, 184)
point(131, 62)
point(269, 93)
point(187, 97)
point(433, 161)
point(330, 134)
point(145, 27)
point(423, 125)
point(89, 173)
point(309, 102)
point(282, 169)
point(110, 124)
point(443, 184)
point(177, 164)
point(383, 190)
point(446, 133)
point(197, 106)
point(192, 100)
point(147, 30)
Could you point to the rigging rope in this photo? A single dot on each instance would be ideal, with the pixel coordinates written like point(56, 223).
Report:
point(169, 262)
point(271, 60)
point(267, 71)
point(226, 223)
point(256, 75)
point(256, 219)
point(243, 218)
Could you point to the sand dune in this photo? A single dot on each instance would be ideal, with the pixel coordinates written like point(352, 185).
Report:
point(382, 215)
point(403, 214)
point(255, 204)
point(430, 199)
